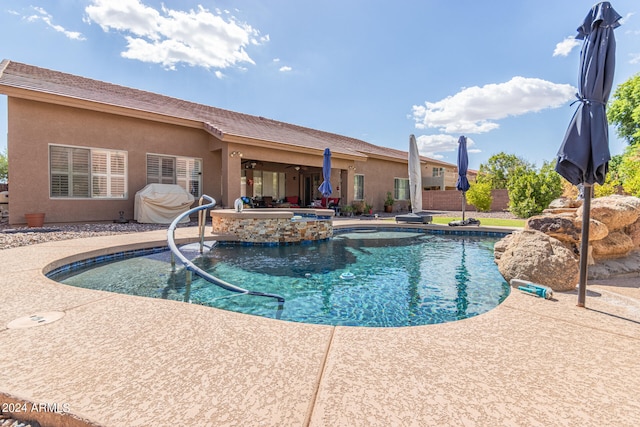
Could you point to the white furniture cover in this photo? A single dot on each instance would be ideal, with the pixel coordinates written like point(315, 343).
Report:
point(161, 203)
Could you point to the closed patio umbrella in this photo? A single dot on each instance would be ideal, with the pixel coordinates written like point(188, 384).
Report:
point(584, 154)
point(462, 184)
point(325, 187)
point(415, 176)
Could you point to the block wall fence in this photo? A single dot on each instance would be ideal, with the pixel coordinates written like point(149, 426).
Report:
point(451, 200)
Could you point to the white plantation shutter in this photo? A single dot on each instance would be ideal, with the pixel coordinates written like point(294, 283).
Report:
point(189, 174)
point(183, 171)
point(161, 170)
point(59, 159)
point(69, 169)
point(118, 179)
point(82, 172)
point(108, 170)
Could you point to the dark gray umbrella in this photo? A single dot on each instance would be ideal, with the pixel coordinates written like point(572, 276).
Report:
point(463, 164)
point(584, 155)
point(325, 187)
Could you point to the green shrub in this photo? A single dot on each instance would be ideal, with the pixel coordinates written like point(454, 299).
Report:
point(479, 195)
point(4, 167)
point(530, 191)
point(629, 170)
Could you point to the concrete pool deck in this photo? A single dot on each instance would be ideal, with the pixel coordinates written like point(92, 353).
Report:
point(119, 360)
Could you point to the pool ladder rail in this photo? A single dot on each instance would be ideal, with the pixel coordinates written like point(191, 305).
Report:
point(192, 268)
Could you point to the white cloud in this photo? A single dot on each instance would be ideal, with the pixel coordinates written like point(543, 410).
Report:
point(170, 37)
point(42, 15)
point(626, 18)
point(431, 145)
point(635, 58)
point(285, 68)
point(476, 109)
point(566, 46)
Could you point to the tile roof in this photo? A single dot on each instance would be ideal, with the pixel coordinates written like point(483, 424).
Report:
point(217, 121)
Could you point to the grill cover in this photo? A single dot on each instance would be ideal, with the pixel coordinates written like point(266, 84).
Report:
point(161, 203)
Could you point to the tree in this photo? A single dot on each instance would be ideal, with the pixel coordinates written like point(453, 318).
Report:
point(531, 191)
point(499, 168)
point(612, 181)
point(629, 170)
point(624, 110)
point(479, 195)
point(4, 167)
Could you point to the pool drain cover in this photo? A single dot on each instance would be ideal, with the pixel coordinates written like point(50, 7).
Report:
point(36, 319)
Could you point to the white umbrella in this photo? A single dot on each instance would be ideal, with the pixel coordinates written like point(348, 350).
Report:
point(415, 176)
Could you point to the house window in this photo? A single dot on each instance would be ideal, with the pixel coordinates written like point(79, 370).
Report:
point(401, 189)
point(267, 183)
point(358, 187)
point(438, 172)
point(87, 173)
point(183, 171)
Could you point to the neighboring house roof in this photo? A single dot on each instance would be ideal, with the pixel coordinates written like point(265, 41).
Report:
point(23, 80)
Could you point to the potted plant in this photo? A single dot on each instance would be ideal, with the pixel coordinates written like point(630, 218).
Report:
point(358, 207)
point(368, 208)
point(388, 203)
point(347, 210)
point(34, 220)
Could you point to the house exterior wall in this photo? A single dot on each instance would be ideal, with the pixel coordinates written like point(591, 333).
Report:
point(379, 177)
point(33, 125)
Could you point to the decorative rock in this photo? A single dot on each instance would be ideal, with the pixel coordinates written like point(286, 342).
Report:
point(615, 245)
point(536, 257)
point(501, 246)
point(633, 231)
point(558, 211)
point(597, 230)
point(614, 211)
point(559, 227)
point(564, 203)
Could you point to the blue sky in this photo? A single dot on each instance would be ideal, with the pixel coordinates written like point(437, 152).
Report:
point(503, 73)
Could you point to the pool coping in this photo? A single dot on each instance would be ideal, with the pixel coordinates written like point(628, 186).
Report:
point(529, 361)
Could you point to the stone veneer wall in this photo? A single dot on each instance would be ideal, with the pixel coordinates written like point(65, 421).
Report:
point(273, 230)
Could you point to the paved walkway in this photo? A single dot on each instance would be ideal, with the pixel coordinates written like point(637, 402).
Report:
point(118, 360)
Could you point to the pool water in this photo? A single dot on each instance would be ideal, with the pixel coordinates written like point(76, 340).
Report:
point(357, 278)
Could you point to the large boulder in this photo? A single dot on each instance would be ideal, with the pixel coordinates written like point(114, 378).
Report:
point(563, 205)
point(536, 257)
point(597, 230)
point(501, 246)
point(633, 231)
point(616, 245)
point(615, 211)
point(556, 226)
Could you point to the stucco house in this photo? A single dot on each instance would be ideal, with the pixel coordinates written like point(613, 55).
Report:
point(79, 150)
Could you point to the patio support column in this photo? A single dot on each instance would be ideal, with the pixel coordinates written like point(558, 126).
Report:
point(346, 189)
point(231, 174)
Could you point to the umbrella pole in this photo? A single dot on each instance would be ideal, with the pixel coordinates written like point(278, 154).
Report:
point(463, 204)
point(584, 244)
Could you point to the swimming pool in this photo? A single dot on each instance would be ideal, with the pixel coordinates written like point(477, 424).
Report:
point(359, 277)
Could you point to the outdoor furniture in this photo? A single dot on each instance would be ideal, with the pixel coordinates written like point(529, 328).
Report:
point(293, 201)
point(417, 218)
point(468, 221)
point(264, 202)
